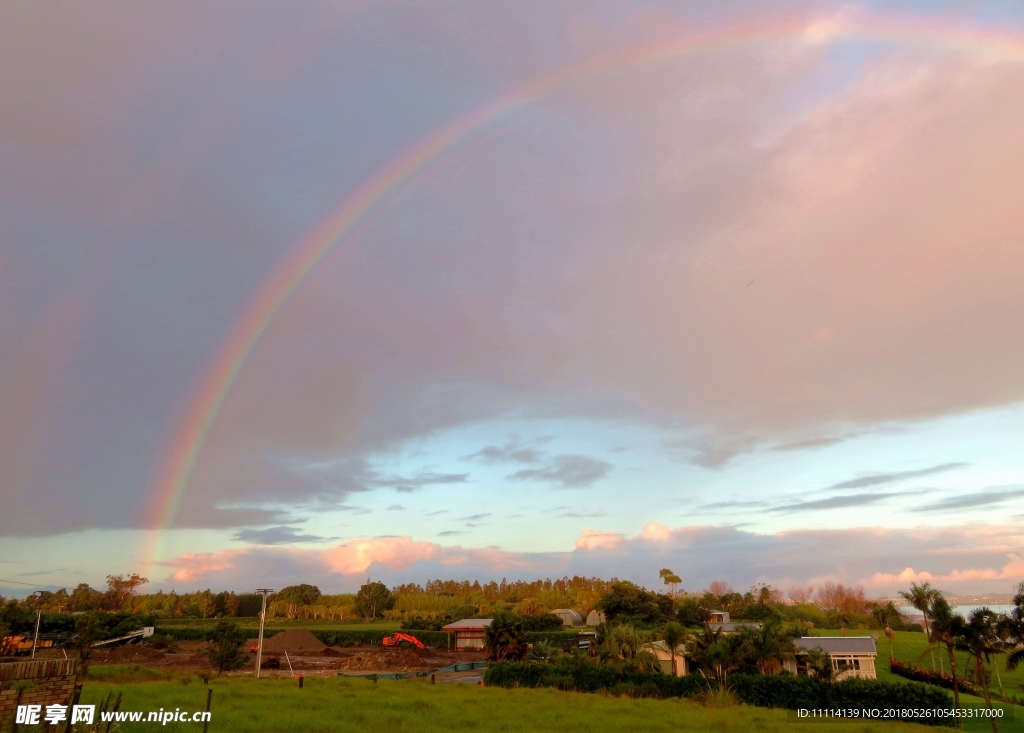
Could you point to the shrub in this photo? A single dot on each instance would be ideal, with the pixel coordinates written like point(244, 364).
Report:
point(917, 674)
point(786, 691)
point(226, 641)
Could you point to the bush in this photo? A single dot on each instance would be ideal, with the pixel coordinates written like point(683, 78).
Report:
point(792, 692)
point(539, 622)
point(932, 678)
point(226, 641)
point(582, 674)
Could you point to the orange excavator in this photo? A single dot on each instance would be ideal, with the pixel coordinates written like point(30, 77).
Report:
point(392, 641)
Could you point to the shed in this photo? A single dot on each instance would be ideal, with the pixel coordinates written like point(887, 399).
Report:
point(852, 656)
point(469, 633)
point(718, 617)
point(569, 616)
point(661, 651)
point(595, 618)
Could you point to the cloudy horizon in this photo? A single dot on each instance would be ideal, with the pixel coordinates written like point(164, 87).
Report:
point(741, 300)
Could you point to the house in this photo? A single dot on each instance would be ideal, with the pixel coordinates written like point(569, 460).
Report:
point(852, 656)
point(595, 618)
point(469, 633)
point(718, 617)
point(661, 651)
point(569, 616)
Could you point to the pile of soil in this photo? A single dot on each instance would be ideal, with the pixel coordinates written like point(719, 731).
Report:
point(128, 653)
point(293, 641)
point(392, 660)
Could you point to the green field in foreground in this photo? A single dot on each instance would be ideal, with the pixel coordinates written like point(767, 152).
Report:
point(330, 704)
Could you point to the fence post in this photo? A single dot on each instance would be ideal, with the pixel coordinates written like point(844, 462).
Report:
point(209, 695)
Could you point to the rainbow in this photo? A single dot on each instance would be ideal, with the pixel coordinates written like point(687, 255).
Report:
point(181, 453)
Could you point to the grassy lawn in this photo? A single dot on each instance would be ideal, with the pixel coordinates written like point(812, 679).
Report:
point(331, 704)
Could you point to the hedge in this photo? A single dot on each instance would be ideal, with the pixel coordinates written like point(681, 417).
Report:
point(793, 692)
point(930, 677)
point(770, 691)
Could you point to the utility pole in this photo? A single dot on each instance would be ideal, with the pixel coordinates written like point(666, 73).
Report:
point(263, 617)
point(39, 615)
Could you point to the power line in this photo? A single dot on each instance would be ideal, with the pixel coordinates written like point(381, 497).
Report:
point(32, 585)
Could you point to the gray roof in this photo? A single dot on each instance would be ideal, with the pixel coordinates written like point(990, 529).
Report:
point(468, 623)
point(837, 644)
point(733, 625)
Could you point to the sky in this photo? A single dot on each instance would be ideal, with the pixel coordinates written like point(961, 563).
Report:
point(478, 290)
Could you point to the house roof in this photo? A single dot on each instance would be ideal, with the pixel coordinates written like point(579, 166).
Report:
point(837, 644)
point(469, 624)
point(733, 625)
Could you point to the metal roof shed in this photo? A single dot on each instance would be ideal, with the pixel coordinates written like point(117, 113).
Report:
point(469, 633)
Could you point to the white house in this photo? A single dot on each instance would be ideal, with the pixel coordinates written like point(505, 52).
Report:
point(569, 616)
point(469, 633)
point(852, 656)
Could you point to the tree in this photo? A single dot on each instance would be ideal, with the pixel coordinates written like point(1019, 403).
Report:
point(980, 641)
point(819, 665)
point(921, 597)
point(226, 641)
point(628, 601)
point(624, 643)
point(711, 653)
point(294, 596)
point(670, 579)
point(674, 635)
point(947, 630)
point(505, 638)
point(767, 647)
point(692, 612)
point(121, 588)
point(1012, 627)
point(374, 598)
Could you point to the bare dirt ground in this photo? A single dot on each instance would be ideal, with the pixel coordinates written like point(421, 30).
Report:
point(329, 661)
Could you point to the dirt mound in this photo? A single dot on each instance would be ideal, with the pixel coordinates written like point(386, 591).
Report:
point(392, 660)
point(330, 652)
point(129, 653)
point(292, 641)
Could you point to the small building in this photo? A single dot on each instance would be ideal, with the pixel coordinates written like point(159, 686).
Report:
point(469, 633)
point(569, 616)
point(718, 617)
point(595, 618)
point(661, 651)
point(852, 656)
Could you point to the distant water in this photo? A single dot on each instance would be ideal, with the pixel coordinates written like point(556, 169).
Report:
point(966, 610)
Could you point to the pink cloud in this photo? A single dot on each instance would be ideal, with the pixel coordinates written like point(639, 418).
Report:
point(883, 560)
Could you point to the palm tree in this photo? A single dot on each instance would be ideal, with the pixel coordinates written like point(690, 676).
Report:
point(947, 630)
point(710, 653)
point(767, 646)
point(505, 638)
point(674, 635)
point(921, 597)
point(980, 641)
point(1012, 627)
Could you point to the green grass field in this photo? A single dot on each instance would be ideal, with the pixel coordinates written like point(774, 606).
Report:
point(331, 704)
